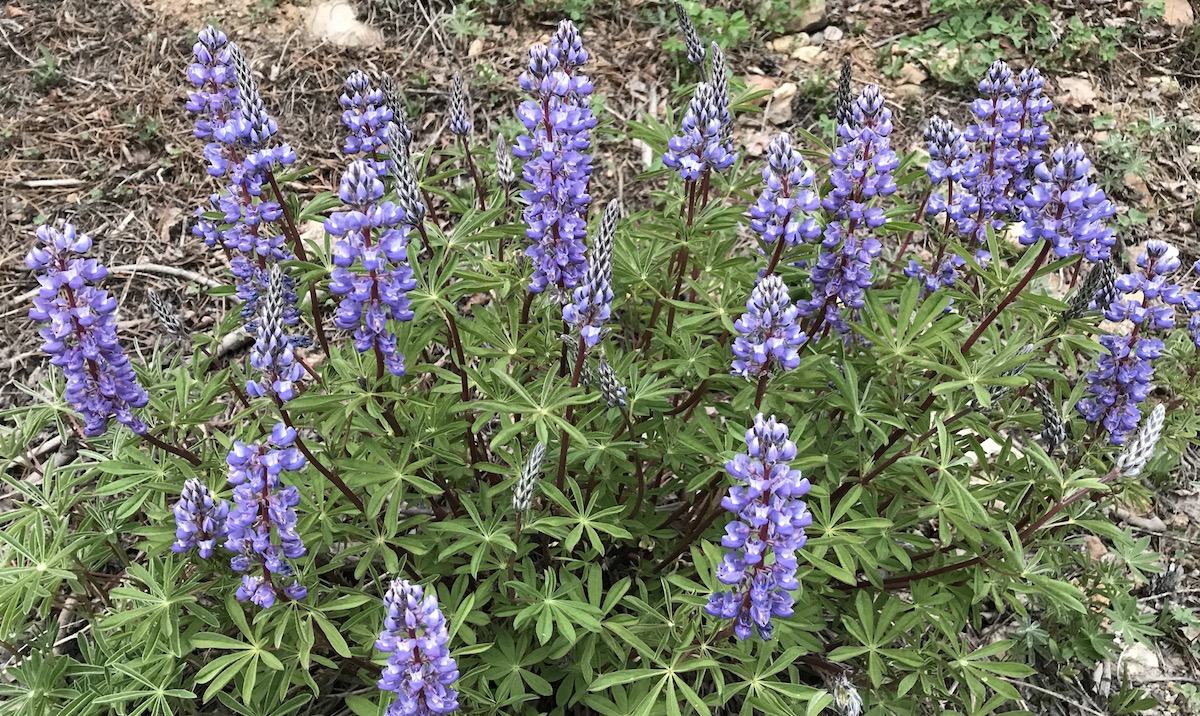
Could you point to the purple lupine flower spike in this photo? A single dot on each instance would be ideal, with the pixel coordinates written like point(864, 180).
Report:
point(948, 152)
point(863, 165)
point(700, 146)
point(1034, 131)
point(420, 670)
point(1191, 304)
point(199, 519)
point(762, 541)
point(1121, 379)
point(81, 331)
point(460, 110)
point(593, 298)
point(274, 351)
point(371, 273)
point(558, 165)
point(262, 524)
point(366, 114)
point(785, 206)
point(769, 335)
point(1066, 209)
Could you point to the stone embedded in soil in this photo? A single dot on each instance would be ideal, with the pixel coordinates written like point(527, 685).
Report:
point(336, 22)
point(780, 109)
point(912, 73)
point(1140, 663)
point(1179, 13)
point(1077, 92)
point(809, 54)
point(1139, 193)
point(814, 16)
point(833, 33)
point(908, 91)
point(760, 83)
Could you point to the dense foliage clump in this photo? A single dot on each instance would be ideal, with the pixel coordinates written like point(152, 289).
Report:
point(486, 433)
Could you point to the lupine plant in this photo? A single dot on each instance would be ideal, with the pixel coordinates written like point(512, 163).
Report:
point(801, 432)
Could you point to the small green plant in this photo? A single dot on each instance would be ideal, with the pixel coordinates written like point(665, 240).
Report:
point(46, 72)
point(145, 128)
point(463, 21)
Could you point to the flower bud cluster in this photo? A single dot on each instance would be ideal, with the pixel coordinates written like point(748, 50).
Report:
point(420, 670)
point(768, 332)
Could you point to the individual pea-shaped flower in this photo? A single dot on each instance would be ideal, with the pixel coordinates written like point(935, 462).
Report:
point(199, 519)
point(768, 333)
point(80, 331)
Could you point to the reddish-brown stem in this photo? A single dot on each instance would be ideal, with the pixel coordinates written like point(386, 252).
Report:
point(762, 386)
point(687, 540)
point(775, 256)
point(565, 440)
point(173, 449)
point(1012, 295)
point(525, 307)
point(289, 227)
point(464, 388)
point(329, 474)
point(474, 172)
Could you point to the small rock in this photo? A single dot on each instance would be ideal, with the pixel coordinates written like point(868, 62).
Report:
point(782, 45)
point(336, 22)
point(476, 48)
point(1139, 193)
point(833, 33)
point(1140, 663)
point(1169, 87)
point(779, 111)
point(912, 73)
point(760, 83)
point(1179, 13)
point(908, 92)
point(1077, 92)
point(757, 143)
point(1096, 550)
point(814, 17)
point(809, 55)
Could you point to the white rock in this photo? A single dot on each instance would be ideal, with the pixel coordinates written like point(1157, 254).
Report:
point(779, 111)
point(809, 54)
point(1140, 663)
point(833, 33)
point(1077, 92)
point(912, 73)
point(336, 22)
point(1179, 13)
point(476, 48)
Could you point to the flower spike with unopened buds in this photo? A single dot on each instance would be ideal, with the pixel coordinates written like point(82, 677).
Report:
point(366, 114)
point(592, 302)
point(164, 313)
point(1097, 292)
point(769, 334)
point(846, 699)
point(274, 352)
point(531, 472)
point(460, 118)
point(611, 389)
point(1137, 453)
point(691, 39)
point(395, 102)
point(719, 77)
point(843, 112)
point(408, 192)
point(505, 176)
point(1054, 432)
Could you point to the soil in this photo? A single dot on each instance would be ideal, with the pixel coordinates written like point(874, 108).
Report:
point(93, 130)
